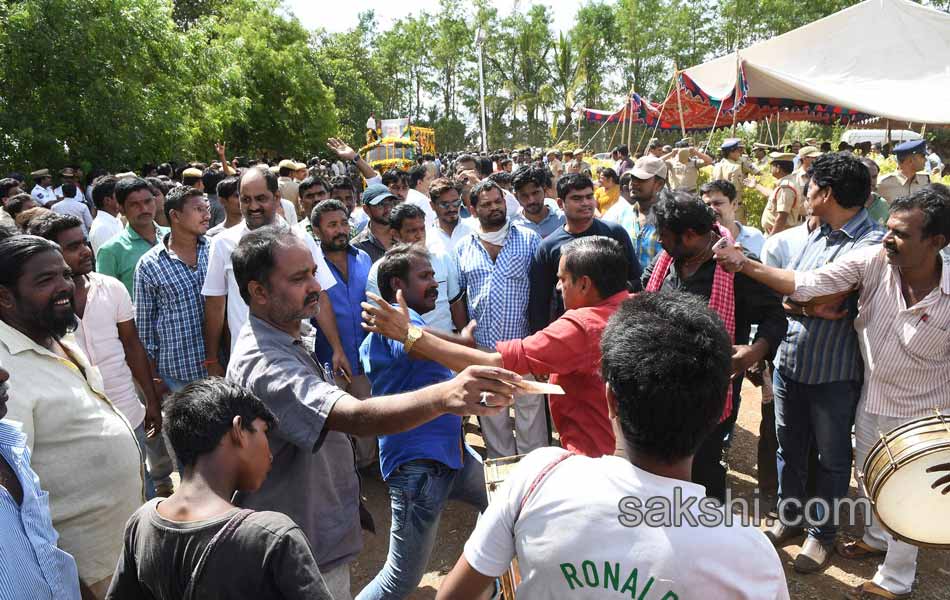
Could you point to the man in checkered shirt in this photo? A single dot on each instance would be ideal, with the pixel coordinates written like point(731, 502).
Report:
point(493, 265)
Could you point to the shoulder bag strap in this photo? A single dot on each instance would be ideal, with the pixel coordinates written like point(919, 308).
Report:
point(230, 527)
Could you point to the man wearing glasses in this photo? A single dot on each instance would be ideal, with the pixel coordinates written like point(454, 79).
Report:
point(377, 237)
point(446, 197)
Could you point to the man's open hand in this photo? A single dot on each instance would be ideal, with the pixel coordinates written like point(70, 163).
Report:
point(481, 391)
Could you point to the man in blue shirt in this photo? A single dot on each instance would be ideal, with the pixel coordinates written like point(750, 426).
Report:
point(576, 197)
point(535, 213)
point(818, 367)
point(32, 565)
point(350, 267)
point(429, 464)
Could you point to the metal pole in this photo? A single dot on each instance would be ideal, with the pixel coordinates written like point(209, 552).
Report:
point(479, 39)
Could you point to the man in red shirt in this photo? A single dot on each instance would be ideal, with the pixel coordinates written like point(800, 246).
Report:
point(592, 279)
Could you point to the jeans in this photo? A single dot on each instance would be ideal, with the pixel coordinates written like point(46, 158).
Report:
point(156, 464)
point(821, 414)
point(418, 491)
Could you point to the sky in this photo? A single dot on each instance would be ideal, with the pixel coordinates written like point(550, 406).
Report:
point(314, 14)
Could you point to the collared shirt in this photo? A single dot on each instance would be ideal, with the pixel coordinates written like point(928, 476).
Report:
point(553, 221)
point(819, 350)
point(78, 196)
point(32, 565)
point(108, 304)
point(75, 208)
point(734, 172)
point(368, 243)
point(346, 297)
point(446, 268)
point(751, 239)
point(313, 476)
point(906, 350)
point(392, 371)
point(104, 228)
point(170, 310)
point(289, 189)
point(83, 448)
point(684, 176)
point(569, 350)
point(895, 185)
point(646, 239)
point(450, 242)
point(498, 291)
point(787, 197)
point(781, 248)
point(42, 195)
point(545, 304)
point(119, 256)
point(220, 280)
point(755, 304)
point(879, 209)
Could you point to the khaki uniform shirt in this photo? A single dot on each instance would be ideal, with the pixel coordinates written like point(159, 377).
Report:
point(785, 198)
point(895, 185)
point(734, 172)
point(684, 176)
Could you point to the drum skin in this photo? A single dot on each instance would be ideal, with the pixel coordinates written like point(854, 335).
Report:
point(896, 481)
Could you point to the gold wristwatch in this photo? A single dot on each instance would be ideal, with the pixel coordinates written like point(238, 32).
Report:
point(412, 336)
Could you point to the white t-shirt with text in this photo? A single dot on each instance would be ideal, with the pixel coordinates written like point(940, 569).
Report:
point(574, 538)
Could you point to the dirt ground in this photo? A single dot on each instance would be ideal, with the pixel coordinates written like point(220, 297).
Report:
point(933, 570)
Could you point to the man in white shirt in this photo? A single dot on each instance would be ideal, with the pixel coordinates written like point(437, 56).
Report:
point(450, 312)
point(599, 526)
point(260, 198)
point(106, 225)
point(446, 201)
point(69, 205)
point(69, 175)
point(418, 195)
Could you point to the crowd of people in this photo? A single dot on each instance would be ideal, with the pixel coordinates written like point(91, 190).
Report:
point(201, 361)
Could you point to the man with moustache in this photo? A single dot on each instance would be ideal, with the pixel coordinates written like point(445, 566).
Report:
point(445, 196)
point(313, 479)
point(65, 414)
point(260, 199)
point(377, 237)
point(494, 263)
point(903, 315)
point(32, 560)
point(425, 466)
point(106, 332)
point(535, 212)
point(119, 256)
point(350, 267)
point(647, 177)
point(576, 198)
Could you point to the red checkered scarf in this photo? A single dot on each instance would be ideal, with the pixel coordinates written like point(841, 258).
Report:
point(722, 299)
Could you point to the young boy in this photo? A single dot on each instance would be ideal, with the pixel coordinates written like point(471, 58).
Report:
point(196, 544)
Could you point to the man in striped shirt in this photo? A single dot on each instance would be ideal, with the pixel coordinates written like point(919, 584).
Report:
point(818, 369)
point(903, 327)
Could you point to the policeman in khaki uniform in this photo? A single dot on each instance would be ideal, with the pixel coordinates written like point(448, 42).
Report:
point(785, 207)
point(42, 192)
point(911, 158)
point(733, 168)
point(806, 156)
point(760, 153)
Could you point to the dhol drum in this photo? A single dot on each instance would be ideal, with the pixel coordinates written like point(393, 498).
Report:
point(896, 481)
point(496, 473)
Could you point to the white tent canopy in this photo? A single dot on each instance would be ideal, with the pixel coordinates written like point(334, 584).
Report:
point(889, 58)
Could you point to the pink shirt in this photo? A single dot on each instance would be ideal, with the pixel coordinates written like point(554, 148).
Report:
point(107, 305)
point(906, 350)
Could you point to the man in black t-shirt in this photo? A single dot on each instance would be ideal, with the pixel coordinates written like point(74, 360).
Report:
point(219, 433)
point(576, 198)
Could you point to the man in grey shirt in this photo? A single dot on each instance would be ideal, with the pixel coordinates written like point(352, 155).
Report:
point(313, 478)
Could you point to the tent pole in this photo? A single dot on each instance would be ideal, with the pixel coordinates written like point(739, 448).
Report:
point(887, 137)
point(715, 122)
point(610, 145)
point(735, 99)
point(630, 113)
point(923, 129)
point(778, 128)
point(623, 120)
point(768, 125)
point(679, 101)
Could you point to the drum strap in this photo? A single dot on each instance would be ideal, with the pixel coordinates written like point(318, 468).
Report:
point(539, 478)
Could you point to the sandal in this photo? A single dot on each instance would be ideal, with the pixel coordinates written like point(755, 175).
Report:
point(871, 591)
point(858, 550)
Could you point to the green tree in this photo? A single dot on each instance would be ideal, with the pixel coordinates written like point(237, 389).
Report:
point(100, 80)
point(568, 75)
point(596, 31)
